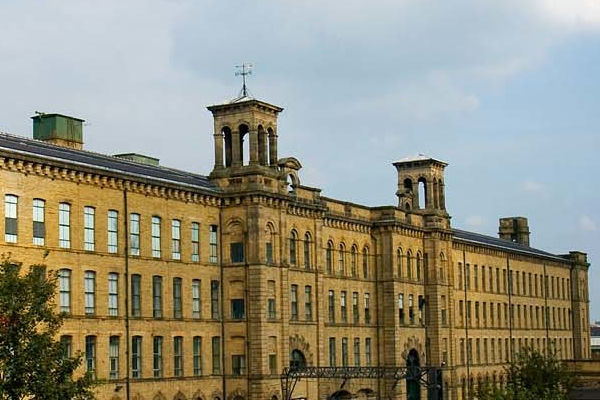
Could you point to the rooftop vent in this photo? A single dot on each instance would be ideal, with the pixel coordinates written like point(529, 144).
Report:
point(139, 158)
point(58, 129)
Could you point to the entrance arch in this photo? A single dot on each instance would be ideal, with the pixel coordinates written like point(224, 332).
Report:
point(297, 359)
point(341, 395)
point(413, 386)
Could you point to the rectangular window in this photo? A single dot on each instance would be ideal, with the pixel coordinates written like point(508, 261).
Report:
point(411, 313)
point(355, 316)
point(343, 307)
point(344, 352)
point(236, 252)
point(39, 222)
point(177, 302)
point(195, 242)
point(64, 284)
point(134, 234)
point(308, 303)
point(113, 294)
point(157, 356)
point(213, 243)
point(367, 308)
point(176, 239)
point(273, 364)
point(196, 298)
point(136, 357)
point(66, 344)
point(89, 287)
point(332, 356)
point(238, 309)
point(269, 252)
point(401, 308)
point(10, 218)
point(238, 364)
point(214, 299)
point(89, 224)
point(113, 231)
point(113, 357)
point(64, 225)
point(357, 352)
point(294, 303)
point(197, 344)
point(331, 306)
point(136, 296)
point(443, 311)
point(157, 297)
point(271, 308)
point(90, 355)
point(216, 355)
point(178, 356)
point(156, 237)
point(368, 352)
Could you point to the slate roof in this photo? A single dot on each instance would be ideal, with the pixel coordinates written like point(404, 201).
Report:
point(502, 244)
point(22, 145)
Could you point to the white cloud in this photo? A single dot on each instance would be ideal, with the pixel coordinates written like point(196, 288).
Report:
point(579, 14)
point(533, 187)
point(586, 223)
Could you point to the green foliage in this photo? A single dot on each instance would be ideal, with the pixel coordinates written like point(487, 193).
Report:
point(532, 376)
point(32, 362)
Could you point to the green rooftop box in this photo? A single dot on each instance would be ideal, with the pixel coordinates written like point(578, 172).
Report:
point(58, 128)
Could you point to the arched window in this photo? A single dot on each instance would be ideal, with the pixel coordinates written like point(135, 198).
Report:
point(293, 240)
point(418, 265)
point(365, 262)
point(442, 273)
point(228, 150)
point(307, 250)
point(399, 257)
point(328, 257)
point(244, 144)
point(341, 259)
point(297, 359)
point(353, 261)
point(409, 264)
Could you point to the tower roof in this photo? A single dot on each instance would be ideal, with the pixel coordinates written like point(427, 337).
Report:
point(243, 100)
point(419, 159)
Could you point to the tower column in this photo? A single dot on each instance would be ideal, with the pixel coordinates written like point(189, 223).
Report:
point(218, 150)
point(236, 149)
point(429, 194)
point(441, 195)
point(253, 147)
point(273, 149)
point(415, 192)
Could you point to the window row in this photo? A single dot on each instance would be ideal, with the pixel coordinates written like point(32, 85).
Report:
point(345, 352)
point(179, 295)
point(522, 316)
point(177, 351)
point(491, 351)
point(158, 243)
point(406, 312)
point(340, 257)
point(519, 283)
point(342, 317)
point(409, 266)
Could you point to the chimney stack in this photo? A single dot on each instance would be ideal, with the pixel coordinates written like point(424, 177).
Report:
point(515, 229)
point(58, 129)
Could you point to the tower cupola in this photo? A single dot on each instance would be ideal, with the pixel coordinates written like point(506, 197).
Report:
point(421, 174)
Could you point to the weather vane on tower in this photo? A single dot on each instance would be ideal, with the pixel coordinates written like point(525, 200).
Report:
point(243, 70)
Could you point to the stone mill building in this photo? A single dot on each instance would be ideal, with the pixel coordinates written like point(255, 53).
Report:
point(183, 286)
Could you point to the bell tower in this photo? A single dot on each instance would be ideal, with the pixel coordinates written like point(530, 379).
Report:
point(241, 125)
point(421, 174)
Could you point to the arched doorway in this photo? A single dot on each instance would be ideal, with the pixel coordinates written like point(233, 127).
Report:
point(341, 395)
point(297, 359)
point(413, 386)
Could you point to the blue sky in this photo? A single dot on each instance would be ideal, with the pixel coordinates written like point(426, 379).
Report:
point(505, 92)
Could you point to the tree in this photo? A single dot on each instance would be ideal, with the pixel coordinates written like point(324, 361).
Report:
point(532, 376)
point(33, 364)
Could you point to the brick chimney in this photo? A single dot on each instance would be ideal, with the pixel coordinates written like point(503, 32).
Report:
point(514, 229)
